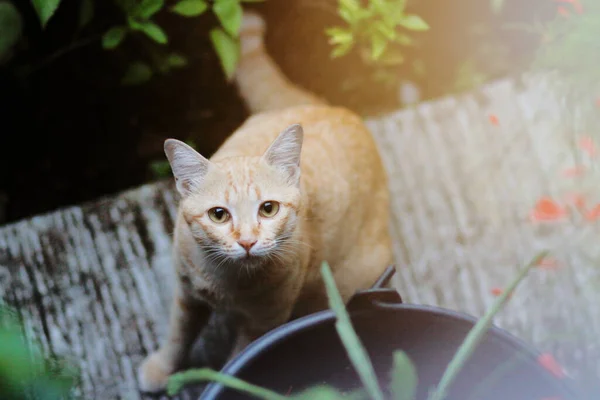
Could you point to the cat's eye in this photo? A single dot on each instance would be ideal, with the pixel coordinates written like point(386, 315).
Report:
point(268, 209)
point(219, 215)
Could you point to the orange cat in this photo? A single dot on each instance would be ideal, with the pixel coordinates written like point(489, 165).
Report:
point(300, 182)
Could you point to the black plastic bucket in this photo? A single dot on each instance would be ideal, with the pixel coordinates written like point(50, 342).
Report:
point(308, 351)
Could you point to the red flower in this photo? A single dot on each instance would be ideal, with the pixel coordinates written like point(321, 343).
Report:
point(575, 3)
point(548, 361)
point(496, 291)
point(548, 263)
point(547, 209)
point(587, 145)
point(594, 213)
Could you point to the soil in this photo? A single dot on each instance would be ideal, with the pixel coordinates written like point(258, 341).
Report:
point(70, 132)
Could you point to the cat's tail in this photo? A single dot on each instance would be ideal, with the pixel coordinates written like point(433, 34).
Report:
point(261, 83)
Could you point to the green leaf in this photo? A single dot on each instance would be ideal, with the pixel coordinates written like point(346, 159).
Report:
point(477, 333)
point(179, 380)
point(497, 6)
point(404, 40)
point(137, 73)
point(229, 13)
point(386, 30)
point(414, 22)
point(113, 37)
point(339, 35)
point(147, 8)
point(356, 352)
point(12, 28)
point(228, 50)
point(151, 30)
point(86, 13)
point(404, 377)
point(349, 10)
point(45, 9)
point(190, 8)
point(341, 50)
point(176, 61)
point(378, 46)
point(352, 12)
point(324, 392)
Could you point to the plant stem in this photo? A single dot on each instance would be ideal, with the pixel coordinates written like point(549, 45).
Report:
point(477, 333)
point(177, 381)
point(356, 352)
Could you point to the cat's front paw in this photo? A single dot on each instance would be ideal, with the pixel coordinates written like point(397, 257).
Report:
point(154, 372)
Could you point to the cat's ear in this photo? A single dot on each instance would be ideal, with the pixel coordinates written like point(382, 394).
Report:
point(284, 152)
point(188, 166)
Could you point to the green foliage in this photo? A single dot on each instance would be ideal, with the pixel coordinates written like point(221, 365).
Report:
point(228, 50)
point(378, 29)
point(113, 37)
point(404, 377)
point(229, 13)
point(179, 380)
point(45, 9)
point(12, 28)
point(151, 30)
point(139, 15)
point(190, 8)
point(25, 374)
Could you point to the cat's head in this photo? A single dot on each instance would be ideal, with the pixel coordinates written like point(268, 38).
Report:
point(241, 208)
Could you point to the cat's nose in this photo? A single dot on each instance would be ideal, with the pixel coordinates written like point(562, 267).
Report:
point(247, 244)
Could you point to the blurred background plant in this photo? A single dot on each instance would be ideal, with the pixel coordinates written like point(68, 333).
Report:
point(25, 373)
point(378, 31)
point(138, 15)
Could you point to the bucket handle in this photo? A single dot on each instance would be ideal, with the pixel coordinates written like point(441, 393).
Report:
point(377, 295)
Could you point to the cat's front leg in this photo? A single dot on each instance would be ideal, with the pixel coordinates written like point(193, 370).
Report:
point(260, 322)
point(188, 316)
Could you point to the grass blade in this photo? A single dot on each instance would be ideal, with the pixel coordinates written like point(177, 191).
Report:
point(404, 377)
point(179, 380)
point(477, 332)
point(356, 351)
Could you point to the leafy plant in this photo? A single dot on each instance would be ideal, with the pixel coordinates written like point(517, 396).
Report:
point(403, 377)
point(11, 27)
point(139, 21)
point(24, 372)
point(378, 30)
